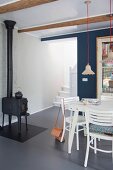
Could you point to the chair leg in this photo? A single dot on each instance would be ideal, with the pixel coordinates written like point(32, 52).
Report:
point(95, 145)
point(85, 130)
point(61, 140)
point(87, 152)
point(91, 140)
point(70, 124)
point(77, 137)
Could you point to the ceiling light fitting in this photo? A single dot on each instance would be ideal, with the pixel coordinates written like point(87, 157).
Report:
point(88, 70)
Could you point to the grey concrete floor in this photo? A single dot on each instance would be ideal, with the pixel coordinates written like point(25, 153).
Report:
point(42, 152)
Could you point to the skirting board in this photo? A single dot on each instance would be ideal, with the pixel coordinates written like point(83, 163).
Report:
point(42, 109)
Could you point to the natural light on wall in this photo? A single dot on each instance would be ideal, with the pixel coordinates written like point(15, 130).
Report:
point(64, 52)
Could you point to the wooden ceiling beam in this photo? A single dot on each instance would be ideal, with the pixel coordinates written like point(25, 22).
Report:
point(95, 19)
point(22, 4)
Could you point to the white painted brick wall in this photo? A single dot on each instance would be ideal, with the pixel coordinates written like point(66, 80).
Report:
point(2, 67)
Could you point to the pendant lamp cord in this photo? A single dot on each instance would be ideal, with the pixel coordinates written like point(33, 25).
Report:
point(110, 24)
point(87, 33)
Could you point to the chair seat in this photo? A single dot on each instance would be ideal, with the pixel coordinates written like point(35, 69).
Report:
point(81, 119)
point(101, 129)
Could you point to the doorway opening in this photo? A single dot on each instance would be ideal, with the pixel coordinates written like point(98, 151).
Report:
point(64, 52)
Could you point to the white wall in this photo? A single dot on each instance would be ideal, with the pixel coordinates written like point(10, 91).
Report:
point(41, 68)
point(66, 49)
point(39, 74)
point(38, 70)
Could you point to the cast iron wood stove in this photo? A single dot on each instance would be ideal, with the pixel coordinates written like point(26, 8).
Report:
point(15, 107)
point(12, 106)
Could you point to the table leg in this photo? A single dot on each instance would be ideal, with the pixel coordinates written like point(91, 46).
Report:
point(72, 131)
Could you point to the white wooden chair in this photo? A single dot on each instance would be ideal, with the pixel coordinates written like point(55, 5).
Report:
point(66, 103)
point(99, 124)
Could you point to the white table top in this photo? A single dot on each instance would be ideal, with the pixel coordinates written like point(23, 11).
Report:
point(103, 106)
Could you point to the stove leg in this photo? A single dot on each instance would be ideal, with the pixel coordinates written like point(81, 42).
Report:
point(26, 122)
point(10, 118)
point(19, 124)
point(3, 121)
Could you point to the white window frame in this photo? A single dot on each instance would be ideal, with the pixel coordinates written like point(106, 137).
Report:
point(99, 41)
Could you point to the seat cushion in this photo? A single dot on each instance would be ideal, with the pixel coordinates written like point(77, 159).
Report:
point(101, 129)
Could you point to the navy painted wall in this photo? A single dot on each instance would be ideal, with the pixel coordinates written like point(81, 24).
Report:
point(85, 89)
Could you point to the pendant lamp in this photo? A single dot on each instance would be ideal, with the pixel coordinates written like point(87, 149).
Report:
point(109, 59)
point(88, 70)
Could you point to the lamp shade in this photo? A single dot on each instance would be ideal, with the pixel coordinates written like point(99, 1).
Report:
point(88, 70)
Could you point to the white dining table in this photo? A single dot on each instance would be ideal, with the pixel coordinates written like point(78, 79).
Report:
point(80, 106)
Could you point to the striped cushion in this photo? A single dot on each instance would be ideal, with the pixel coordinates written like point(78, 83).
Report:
point(101, 129)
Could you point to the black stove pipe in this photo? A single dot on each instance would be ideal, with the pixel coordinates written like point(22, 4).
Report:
point(9, 26)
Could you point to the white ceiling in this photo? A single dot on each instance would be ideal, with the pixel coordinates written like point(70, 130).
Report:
point(57, 11)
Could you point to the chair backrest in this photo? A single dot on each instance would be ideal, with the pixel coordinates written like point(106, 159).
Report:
point(97, 117)
point(66, 102)
point(70, 100)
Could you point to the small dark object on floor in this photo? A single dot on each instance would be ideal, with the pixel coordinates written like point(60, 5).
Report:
point(58, 139)
point(12, 133)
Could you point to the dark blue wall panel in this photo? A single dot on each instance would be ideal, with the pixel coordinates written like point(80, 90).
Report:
point(85, 89)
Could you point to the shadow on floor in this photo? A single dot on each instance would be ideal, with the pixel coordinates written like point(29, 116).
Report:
point(12, 133)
